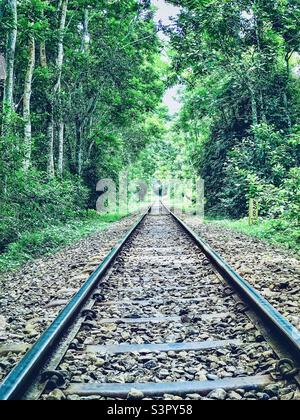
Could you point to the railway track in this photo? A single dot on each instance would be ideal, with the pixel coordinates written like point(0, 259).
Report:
point(162, 317)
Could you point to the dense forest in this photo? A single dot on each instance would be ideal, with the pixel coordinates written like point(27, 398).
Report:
point(240, 65)
point(81, 91)
point(83, 82)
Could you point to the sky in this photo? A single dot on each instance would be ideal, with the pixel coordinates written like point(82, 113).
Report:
point(164, 12)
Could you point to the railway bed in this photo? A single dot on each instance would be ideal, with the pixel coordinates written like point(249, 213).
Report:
point(162, 317)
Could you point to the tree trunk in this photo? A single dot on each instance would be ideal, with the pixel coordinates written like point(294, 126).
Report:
point(61, 148)
point(262, 106)
point(10, 57)
point(26, 104)
point(257, 25)
point(56, 90)
point(60, 53)
point(287, 110)
point(79, 146)
point(50, 135)
point(92, 144)
point(8, 94)
point(285, 91)
point(85, 34)
point(79, 122)
point(43, 56)
point(253, 106)
point(258, 33)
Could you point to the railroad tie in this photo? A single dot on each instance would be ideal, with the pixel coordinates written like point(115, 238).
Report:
point(178, 388)
point(163, 347)
point(157, 319)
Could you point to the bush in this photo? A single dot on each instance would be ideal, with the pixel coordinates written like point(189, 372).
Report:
point(8, 225)
point(264, 167)
point(46, 241)
point(33, 202)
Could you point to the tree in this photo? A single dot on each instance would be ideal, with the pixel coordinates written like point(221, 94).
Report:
point(12, 22)
point(26, 102)
point(83, 76)
point(235, 59)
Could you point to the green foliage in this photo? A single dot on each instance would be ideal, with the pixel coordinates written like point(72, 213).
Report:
point(273, 231)
point(33, 244)
point(33, 201)
point(240, 118)
point(238, 127)
point(264, 167)
point(105, 94)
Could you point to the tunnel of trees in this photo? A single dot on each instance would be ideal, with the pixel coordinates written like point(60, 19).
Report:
point(81, 91)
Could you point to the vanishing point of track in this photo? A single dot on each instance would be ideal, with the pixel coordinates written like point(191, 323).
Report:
point(162, 315)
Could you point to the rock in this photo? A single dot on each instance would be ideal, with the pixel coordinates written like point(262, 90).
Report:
point(283, 284)
point(151, 364)
point(240, 391)
point(211, 377)
point(30, 330)
point(5, 365)
point(168, 396)
point(259, 338)
point(115, 379)
point(135, 394)
point(162, 356)
point(185, 319)
point(191, 370)
point(249, 327)
point(272, 390)
point(99, 362)
point(297, 396)
point(56, 395)
point(201, 377)
point(183, 312)
point(218, 394)
point(14, 348)
point(263, 396)
point(245, 270)
point(171, 397)
point(163, 373)
point(213, 359)
point(268, 293)
point(250, 396)
point(91, 398)
point(287, 397)
point(56, 303)
point(195, 397)
point(232, 395)
point(73, 398)
point(221, 352)
point(2, 324)
point(66, 291)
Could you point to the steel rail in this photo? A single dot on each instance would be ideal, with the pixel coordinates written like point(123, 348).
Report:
point(24, 374)
point(277, 322)
point(26, 370)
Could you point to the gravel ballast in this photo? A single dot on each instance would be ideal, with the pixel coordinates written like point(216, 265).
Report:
point(272, 270)
point(32, 297)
